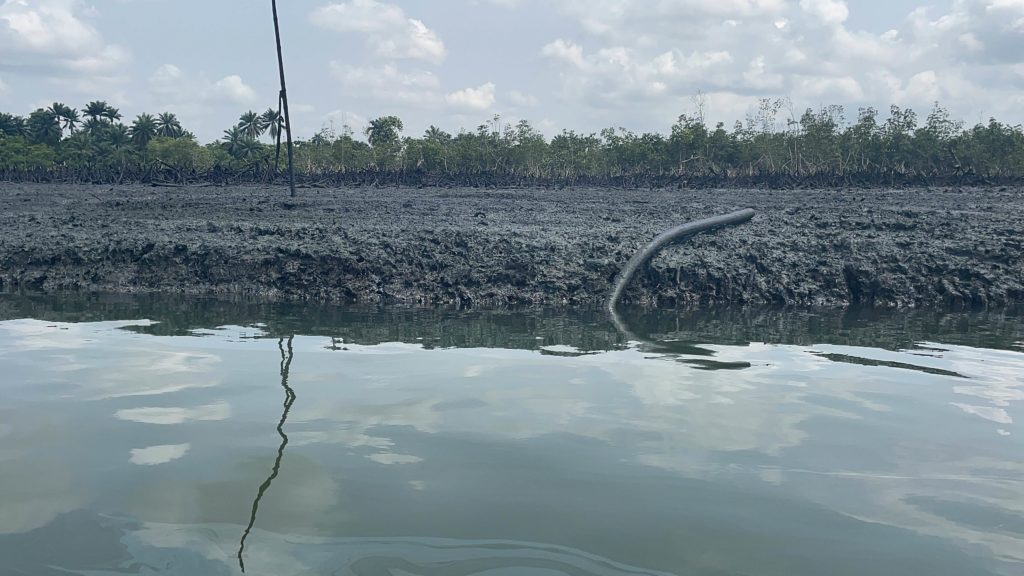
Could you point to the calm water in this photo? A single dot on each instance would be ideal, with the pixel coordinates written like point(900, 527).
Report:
point(150, 436)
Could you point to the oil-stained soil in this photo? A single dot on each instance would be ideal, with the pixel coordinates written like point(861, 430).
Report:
point(919, 247)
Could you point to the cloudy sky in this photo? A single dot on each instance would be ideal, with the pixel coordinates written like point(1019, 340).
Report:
point(577, 64)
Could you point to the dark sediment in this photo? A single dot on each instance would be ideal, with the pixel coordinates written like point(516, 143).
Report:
point(919, 247)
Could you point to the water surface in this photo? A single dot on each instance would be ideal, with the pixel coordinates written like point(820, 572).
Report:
point(161, 436)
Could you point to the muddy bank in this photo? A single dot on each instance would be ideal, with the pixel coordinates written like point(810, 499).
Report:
point(923, 248)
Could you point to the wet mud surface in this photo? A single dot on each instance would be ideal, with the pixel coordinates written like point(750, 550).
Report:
point(430, 246)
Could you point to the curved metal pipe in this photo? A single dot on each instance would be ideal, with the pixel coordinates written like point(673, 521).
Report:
point(666, 237)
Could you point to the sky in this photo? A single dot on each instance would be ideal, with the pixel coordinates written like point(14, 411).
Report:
point(562, 64)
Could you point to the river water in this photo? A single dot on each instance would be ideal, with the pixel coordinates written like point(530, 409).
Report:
point(166, 436)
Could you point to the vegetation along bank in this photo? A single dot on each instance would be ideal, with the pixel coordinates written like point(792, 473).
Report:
point(774, 147)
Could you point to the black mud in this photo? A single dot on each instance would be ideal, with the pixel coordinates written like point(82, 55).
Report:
point(924, 248)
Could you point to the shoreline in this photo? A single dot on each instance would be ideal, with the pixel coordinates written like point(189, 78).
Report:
point(585, 329)
point(910, 248)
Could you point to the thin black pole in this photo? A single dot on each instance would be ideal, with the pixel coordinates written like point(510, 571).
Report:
point(284, 100)
point(277, 149)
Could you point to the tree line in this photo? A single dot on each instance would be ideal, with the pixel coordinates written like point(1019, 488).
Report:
point(815, 148)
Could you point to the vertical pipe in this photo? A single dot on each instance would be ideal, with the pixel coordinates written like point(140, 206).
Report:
point(284, 100)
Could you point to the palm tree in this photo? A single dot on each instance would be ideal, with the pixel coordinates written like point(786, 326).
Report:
point(118, 136)
point(71, 119)
point(44, 127)
point(250, 148)
point(435, 134)
point(239, 145)
point(384, 134)
point(95, 109)
point(94, 126)
point(143, 129)
point(251, 124)
point(167, 125)
point(11, 125)
point(383, 131)
point(67, 116)
point(111, 113)
point(233, 138)
point(274, 122)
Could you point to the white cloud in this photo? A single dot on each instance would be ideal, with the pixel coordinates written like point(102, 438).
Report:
point(166, 77)
point(758, 77)
point(233, 89)
point(417, 43)
point(971, 42)
point(106, 60)
point(389, 84)
point(390, 33)
point(594, 63)
point(621, 76)
point(47, 27)
point(479, 98)
point(339, 119)
point(827, 11)
point(53, 37)
point(660, 52)
point(828, 89)
point(173, 86)
point(922, 87)
point(646, 21)
point(565, 51)
point(522, 99)
point(366, 16)
point(979, 31)
point(203, 105)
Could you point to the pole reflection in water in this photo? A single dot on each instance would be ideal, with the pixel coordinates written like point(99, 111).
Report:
point(289, 399)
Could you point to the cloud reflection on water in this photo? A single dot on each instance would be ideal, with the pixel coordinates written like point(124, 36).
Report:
point(155, 455)
point(869, 441)
point(174, 415)
point(28, 334)
point(996, 377)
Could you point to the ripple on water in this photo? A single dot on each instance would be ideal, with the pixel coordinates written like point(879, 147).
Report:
point(155, 544)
